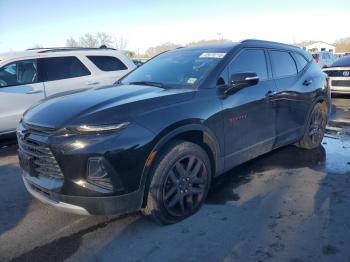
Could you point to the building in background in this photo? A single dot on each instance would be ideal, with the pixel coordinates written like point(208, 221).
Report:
point(320, 46)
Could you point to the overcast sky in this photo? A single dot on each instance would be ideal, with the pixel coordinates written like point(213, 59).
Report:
point(25, 23)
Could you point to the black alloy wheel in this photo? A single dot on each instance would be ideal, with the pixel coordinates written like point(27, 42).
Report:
point(180, 182)
point(185, 186)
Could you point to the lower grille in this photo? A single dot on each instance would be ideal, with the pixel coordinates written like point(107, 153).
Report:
point(43, 161)
point(345, 83)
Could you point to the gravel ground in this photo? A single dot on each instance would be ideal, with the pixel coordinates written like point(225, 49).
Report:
point(288, 205)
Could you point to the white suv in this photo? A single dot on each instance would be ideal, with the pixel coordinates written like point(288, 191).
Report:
point(29, 76)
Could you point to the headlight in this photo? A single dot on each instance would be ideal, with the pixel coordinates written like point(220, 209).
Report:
point(99, 129)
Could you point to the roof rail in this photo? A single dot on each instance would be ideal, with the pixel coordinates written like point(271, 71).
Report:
point(265, 42)
point(60, 49)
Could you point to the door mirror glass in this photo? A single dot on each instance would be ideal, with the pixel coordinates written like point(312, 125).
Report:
point(241, 80)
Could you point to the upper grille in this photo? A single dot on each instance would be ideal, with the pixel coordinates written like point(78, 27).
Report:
point(335, 73)
point(44, 162)
point(345, 83)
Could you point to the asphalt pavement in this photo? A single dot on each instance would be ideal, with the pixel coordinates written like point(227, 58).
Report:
point(288, 205)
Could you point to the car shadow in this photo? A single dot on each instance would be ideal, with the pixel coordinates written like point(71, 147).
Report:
point(13, 195)
point(290, 157)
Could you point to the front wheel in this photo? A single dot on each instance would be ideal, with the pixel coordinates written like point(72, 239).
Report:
point(316, 128)
point(180, 183)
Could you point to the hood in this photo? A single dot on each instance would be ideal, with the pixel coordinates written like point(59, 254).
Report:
point(105, 105)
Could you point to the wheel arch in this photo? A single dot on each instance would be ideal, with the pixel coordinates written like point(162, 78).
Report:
point(319, 100)
point(195, 133)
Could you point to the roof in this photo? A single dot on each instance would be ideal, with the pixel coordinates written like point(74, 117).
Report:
point(225, 47)
point(319, 42)
point(42, 51)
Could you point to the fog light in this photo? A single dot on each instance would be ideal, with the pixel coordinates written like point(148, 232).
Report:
point(98, 174)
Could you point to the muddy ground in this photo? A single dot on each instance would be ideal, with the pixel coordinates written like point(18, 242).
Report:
point(289, 205)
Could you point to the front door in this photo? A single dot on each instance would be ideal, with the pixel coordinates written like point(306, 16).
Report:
point(248, 113)
point(20, 88)
point(62, 74)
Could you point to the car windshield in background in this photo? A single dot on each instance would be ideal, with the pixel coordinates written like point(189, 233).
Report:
point(177, 69)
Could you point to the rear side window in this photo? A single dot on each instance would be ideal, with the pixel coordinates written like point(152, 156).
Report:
point(19, 73)
point(250, 61)
point(283, 64)
point(58, 68)
point(300, 60)
point(107, 63)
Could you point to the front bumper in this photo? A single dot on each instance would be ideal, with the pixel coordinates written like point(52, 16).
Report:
point(56, 169)
point(83, 205)
point(340, 85)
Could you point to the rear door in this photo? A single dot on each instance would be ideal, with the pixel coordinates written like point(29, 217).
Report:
point(109, 68)
point(248, 113)
point(20, 87)
point(291, 101)
point(65, 73)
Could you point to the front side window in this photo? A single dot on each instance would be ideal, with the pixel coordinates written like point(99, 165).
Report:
point(107, 63)
point(57, 68)
point(283, 64)
point(19, 73)
point(176, 69)
point(250, 61)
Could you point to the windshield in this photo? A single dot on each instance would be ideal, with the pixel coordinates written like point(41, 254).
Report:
point(178, 69)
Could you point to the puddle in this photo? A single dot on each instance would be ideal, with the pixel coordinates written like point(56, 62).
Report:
point(331, 158)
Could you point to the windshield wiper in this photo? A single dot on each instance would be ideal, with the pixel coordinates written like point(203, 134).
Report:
point(147, 83)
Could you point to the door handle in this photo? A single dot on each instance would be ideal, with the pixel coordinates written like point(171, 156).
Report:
point(307, 82)
point(31, 92)
point(93, 83)
point(270, 93)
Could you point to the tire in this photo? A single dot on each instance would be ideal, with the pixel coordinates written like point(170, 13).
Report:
point(180, 183)
point(316, 126)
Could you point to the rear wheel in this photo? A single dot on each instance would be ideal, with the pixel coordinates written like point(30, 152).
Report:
point(316, 128)
point(180, 183)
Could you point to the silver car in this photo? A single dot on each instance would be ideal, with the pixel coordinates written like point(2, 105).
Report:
point(339, 76)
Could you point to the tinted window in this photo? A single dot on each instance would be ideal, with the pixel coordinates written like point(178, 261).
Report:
point(283, 64)
point(250, 61)
point(107, 63)
point(300, 60)
point(19, 73)
point(176, 69)
point(57, 68)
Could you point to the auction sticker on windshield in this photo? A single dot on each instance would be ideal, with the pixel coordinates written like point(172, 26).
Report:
point(212, 55)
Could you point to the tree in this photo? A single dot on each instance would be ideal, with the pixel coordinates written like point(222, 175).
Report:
point(342, 45)
point(104, 39)
point(71, 42)
point(89, 40)
point(131, 54)
point(120, 43)
point(152, 51)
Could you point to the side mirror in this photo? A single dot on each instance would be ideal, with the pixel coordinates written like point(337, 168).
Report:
point(241, 80)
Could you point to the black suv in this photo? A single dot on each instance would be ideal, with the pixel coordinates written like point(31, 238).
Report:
point(156, 139)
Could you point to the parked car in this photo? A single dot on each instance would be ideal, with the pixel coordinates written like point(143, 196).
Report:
point(323, 58)
point(156, 141)
point(339, 76)
point(137, 62)
point(29, 76)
